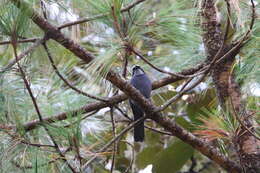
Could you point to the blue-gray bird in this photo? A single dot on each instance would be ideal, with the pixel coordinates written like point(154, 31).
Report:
point(141, 82)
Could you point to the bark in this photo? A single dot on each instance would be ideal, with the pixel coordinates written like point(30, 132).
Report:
point(246, 145)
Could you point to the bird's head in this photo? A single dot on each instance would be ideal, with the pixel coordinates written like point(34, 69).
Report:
point(137, 70)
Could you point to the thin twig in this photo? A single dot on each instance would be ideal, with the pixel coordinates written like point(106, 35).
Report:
point(22, 55)
point(193, 164)
point(153, 66)
point(116, 23)
point(30, 167)
point(124, 73)
point(66, 81)
point(158, 131)
point(236, 114)
point(113, 140)
point(86, 116)
point(123, 113)
point(23, 141)
point(37, 108)
point(177, 96)
point(28, 40)
point(114, 134)
point(132, 158)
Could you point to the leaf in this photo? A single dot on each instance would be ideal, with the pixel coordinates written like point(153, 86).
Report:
point(172, 158)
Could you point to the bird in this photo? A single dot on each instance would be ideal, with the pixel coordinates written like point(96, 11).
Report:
point(142, 83)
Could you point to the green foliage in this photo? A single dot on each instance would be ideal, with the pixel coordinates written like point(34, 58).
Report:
point(200, 103)
point(13, 22)
point(171, 159)
point(147, 156)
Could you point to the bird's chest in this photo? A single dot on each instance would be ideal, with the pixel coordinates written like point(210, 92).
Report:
point(143, 84)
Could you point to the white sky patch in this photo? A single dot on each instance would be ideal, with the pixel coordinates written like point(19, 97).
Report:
point(91, 125)
point(183, 20)
point(109, 31)
point(183, 23)
point(149, 53)
point(53, 10)
point(92, 38)
point(249, 3)
point(71, 16)
point(255, 89)
point(175, 52)
point(171, 88)
point(148, 169)
point(167, 69)
point(61, 16)
point(202, 86)
point(185, 97)
point(201, 47)
point(154, 14)
point(102, 50)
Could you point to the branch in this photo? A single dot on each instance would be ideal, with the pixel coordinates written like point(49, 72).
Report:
point(21, 41)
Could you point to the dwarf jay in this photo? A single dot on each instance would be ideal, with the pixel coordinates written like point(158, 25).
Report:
point(142, 83)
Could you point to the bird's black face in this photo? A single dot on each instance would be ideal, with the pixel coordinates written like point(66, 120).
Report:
point(137, 70)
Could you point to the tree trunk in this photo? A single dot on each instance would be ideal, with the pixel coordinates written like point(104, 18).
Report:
point(246, 145)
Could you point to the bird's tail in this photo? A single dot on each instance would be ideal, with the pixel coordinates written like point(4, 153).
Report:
point(139, 128)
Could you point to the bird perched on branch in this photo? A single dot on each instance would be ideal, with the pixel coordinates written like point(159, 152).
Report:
point(141, 82)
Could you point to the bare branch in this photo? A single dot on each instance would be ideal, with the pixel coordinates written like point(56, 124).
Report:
point(28, 40)
point(24, 54)
point(114, 135)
